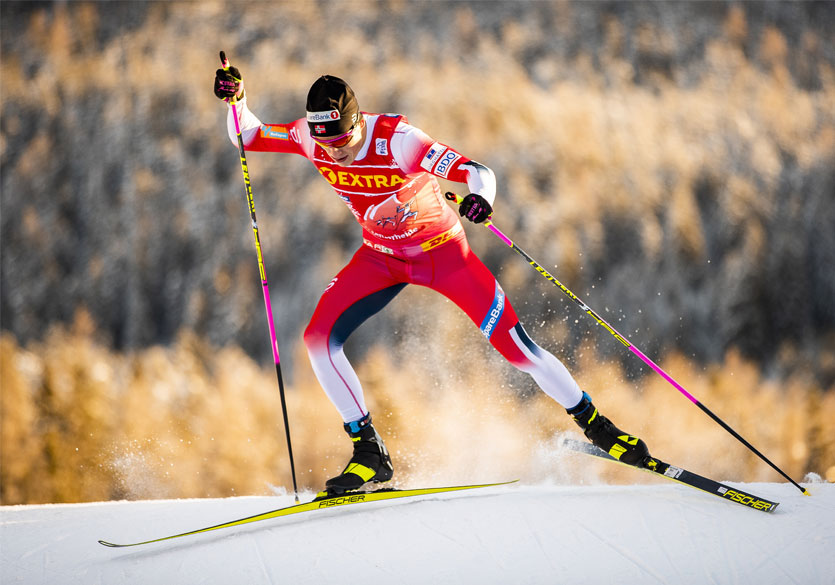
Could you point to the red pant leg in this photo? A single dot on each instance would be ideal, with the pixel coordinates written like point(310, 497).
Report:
point(459, 275)
point(360, 289)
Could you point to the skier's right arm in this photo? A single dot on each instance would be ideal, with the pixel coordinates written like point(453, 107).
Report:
point(256, 135)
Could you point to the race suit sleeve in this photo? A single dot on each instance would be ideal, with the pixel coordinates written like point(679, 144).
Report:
point(415, 151)
point(259, 137)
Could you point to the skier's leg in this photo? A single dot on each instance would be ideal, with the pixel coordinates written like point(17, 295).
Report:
point(460, 276)
point(360, 290)
point(476, 291)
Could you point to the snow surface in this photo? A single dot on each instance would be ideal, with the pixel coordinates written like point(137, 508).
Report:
point(640, 534)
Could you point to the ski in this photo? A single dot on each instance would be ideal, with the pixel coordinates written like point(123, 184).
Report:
point(349, 498)
point(694, 480)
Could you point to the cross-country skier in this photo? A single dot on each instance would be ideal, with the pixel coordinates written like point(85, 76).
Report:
point(384, 170)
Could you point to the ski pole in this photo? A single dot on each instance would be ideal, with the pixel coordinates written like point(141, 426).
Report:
point(600, 321)
point(264, 285)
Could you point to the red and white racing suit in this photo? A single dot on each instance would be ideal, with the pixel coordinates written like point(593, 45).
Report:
point(410, 236)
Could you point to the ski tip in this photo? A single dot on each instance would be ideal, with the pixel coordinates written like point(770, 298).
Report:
point(110, 544)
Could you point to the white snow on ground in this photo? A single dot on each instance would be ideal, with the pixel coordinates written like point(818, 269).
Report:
point(665, 533)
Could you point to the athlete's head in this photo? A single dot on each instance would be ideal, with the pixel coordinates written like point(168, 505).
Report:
point(334, 119)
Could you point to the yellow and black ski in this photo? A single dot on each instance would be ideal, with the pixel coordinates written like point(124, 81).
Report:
point(694, 480)
point(346, 499)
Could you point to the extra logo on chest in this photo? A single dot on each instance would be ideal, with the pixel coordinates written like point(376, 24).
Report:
point(375, 179)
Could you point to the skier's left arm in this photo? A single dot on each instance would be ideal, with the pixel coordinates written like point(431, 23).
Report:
point(415, 151)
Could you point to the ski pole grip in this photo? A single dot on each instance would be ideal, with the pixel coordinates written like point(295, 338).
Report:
point(224, 62)
point(457, 199)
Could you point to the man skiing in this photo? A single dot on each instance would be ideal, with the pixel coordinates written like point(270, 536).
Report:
point(384, 170)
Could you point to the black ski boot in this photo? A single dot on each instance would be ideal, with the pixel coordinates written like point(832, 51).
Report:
point(370, 462)
point(600, 431)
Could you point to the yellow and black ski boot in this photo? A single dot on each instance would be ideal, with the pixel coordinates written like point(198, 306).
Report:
point(605, 435)
point(370, 462)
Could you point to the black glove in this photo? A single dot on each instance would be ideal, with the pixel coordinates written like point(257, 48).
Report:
point(228, 83)
point(475, 208)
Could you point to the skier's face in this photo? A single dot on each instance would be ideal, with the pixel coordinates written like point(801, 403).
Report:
point(348, 148)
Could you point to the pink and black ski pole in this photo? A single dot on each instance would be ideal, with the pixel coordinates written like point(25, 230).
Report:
point(264, 285)
point(600, 321)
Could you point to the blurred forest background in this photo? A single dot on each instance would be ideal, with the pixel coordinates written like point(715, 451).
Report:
point(673, 163)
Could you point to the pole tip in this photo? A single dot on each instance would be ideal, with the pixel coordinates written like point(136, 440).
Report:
point(806, 492)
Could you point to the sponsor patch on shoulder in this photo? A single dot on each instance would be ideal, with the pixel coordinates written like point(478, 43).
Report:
point(277, 132)
point(432, 156)
point(381, 146)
